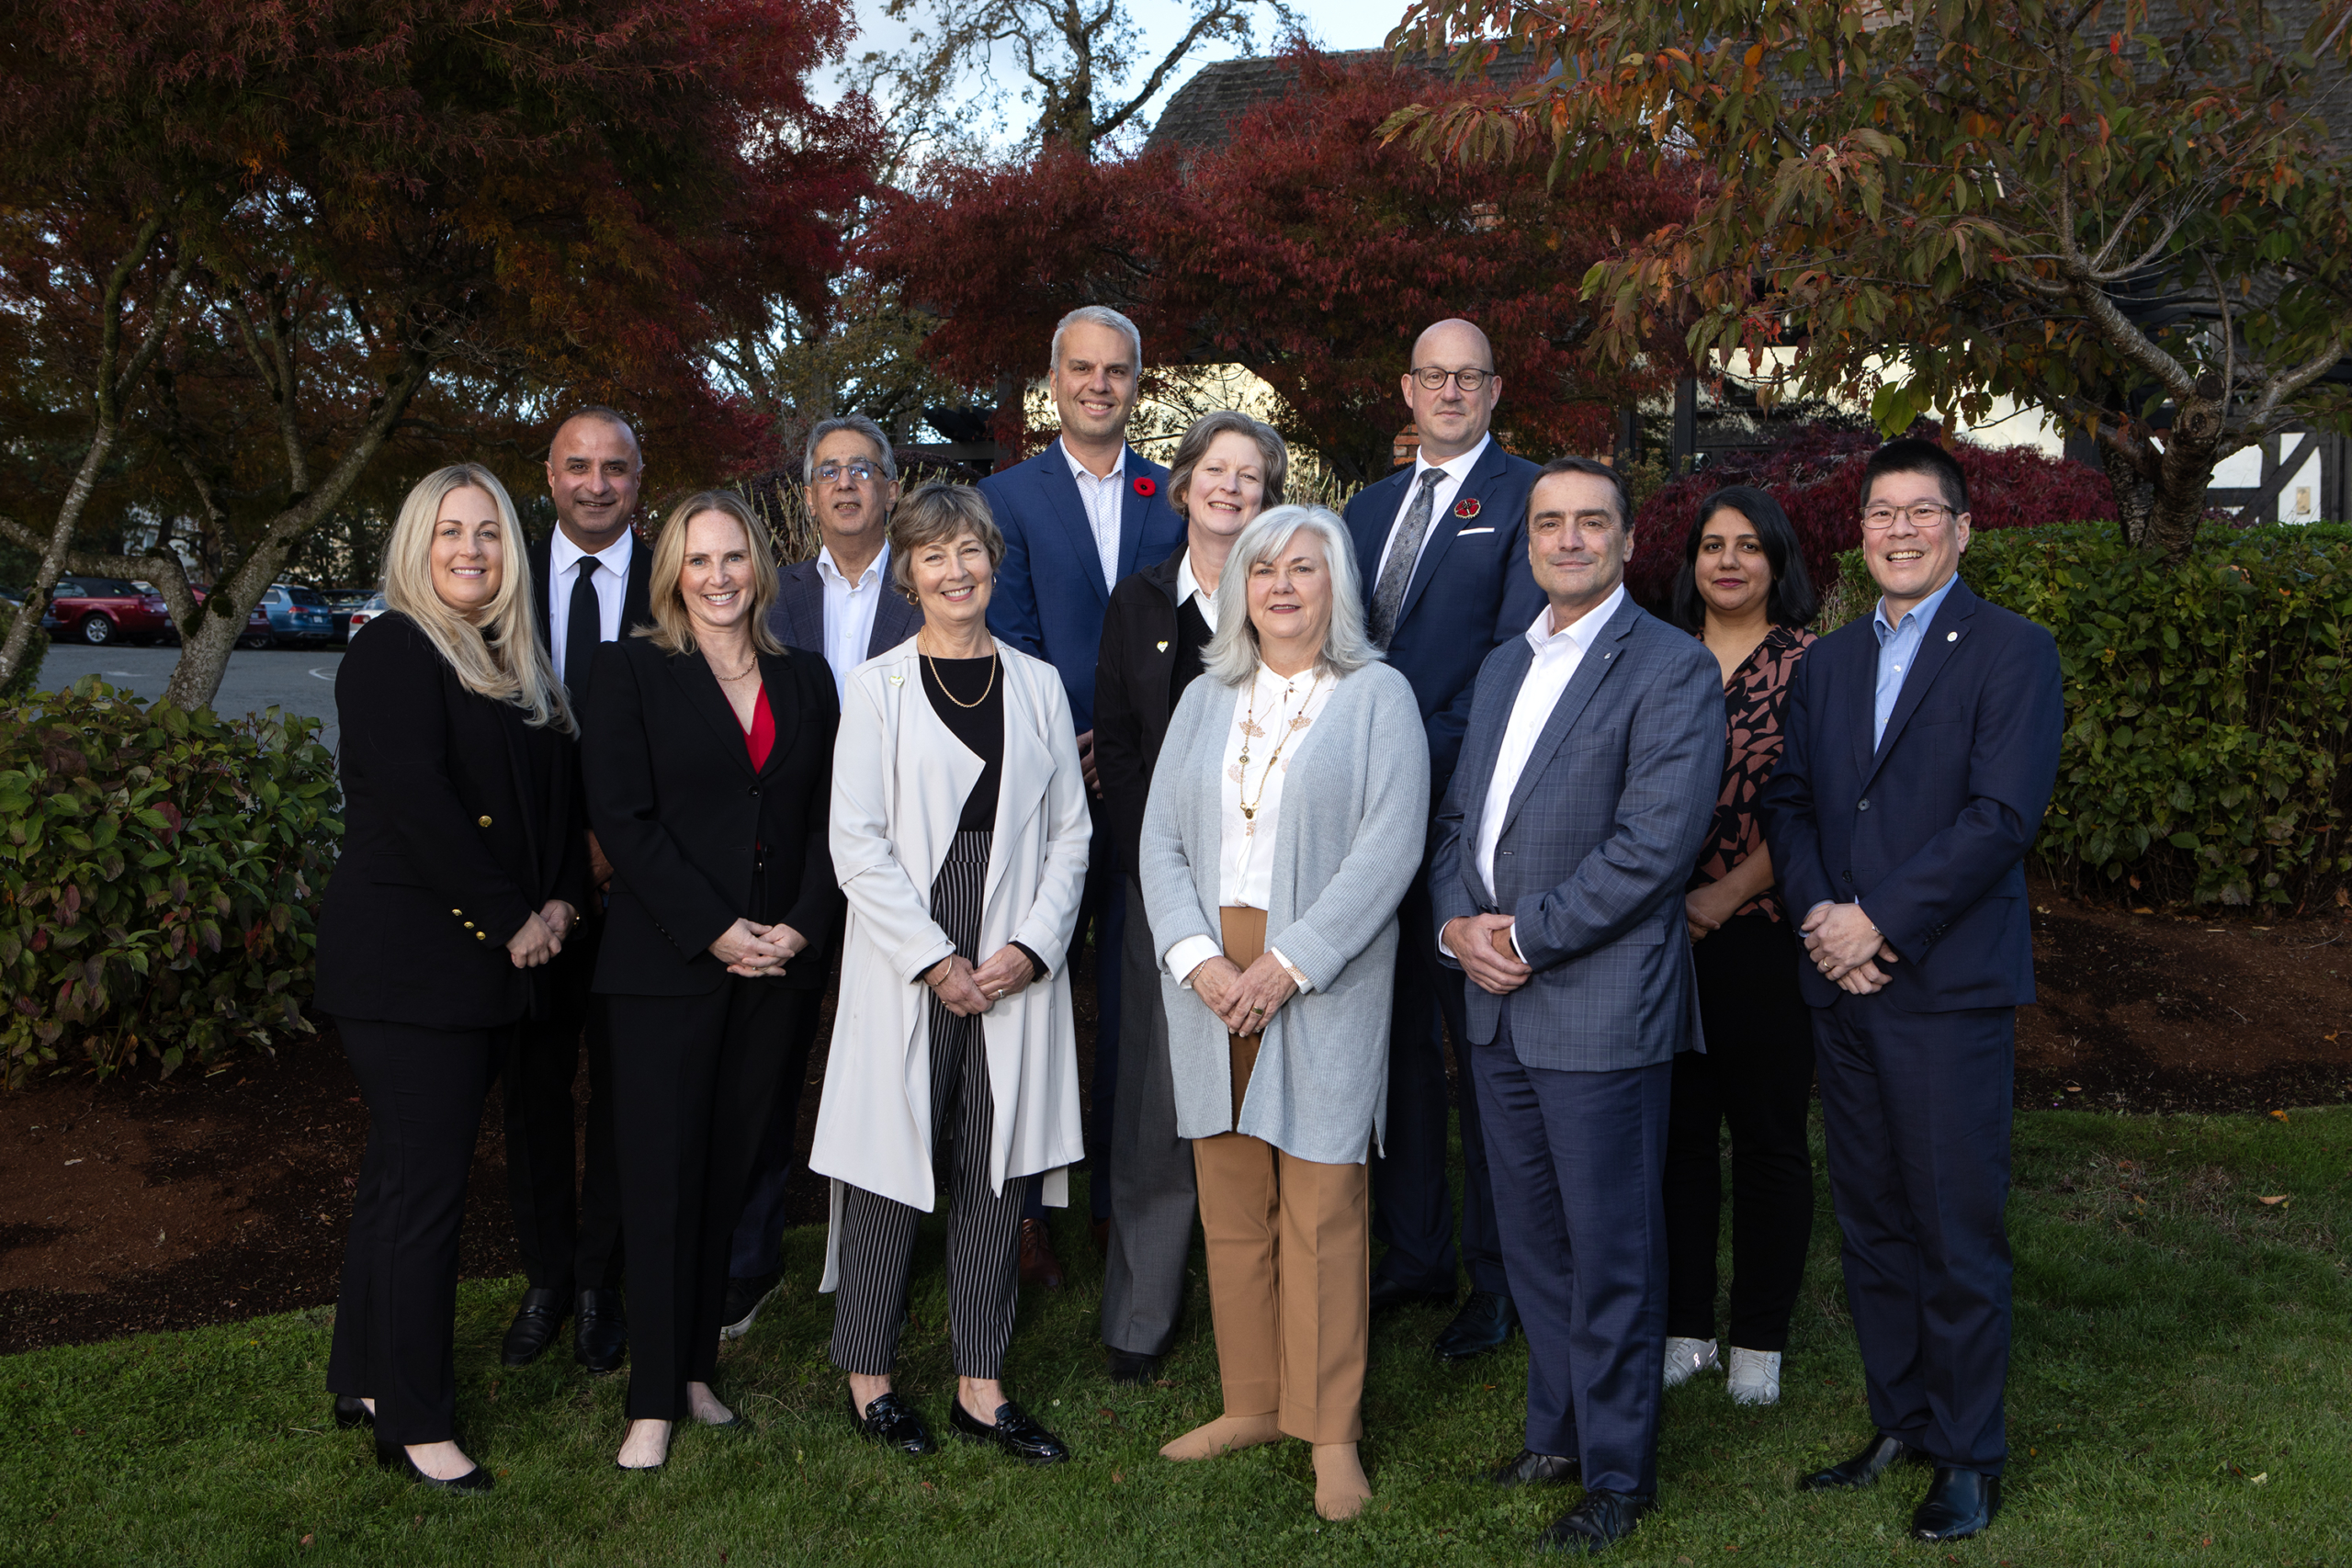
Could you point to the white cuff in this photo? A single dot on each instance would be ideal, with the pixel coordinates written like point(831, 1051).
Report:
point(1297, 976)
point(1188, 955)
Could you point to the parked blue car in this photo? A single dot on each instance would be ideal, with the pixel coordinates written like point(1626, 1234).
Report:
point(297, 615)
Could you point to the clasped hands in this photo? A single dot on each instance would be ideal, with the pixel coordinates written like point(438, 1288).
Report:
point(1244, 1000)
point(1482, 945)
point(757, 951)
point(1842, 943)
point(965, 990)
point(541, 936)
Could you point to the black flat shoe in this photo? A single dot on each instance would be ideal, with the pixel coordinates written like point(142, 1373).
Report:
point(394, 1458)
point(741, 1306)
point(1959, 1504)
point(1014, 1431)
point(350, 1413)
point(1601, 1520)
point(1135, 1371)
point(893, 1422)
point(600, 1331)
point(1532, 1468)
point(1389, 1293)
point(1882, 1454)
point(1484, 1324)
point(536, 1324)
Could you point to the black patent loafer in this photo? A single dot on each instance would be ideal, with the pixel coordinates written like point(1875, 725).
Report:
point(1532, 1468)
point(895, 1424)
point(1601, 1520)
point(394, 1458)
point(351, 1412)
point(1882, 1454)
point(536, 1324)
point(599, 1331)
point(1959, 1504)
point(1014, 1431)
point(1484, 1324)
point(1127, 1367)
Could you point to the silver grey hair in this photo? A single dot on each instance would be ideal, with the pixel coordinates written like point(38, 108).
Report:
point(1232, 655)
point(861, 425)
point(1100, 316)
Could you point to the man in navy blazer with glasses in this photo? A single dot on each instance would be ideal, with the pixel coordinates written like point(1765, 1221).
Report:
point(1921, 747)
point(1076, 518)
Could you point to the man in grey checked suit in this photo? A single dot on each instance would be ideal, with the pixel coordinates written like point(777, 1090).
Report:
point(1588, 779)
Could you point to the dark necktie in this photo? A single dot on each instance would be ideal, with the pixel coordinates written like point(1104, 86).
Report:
point(581, 624)
point(1389, 598)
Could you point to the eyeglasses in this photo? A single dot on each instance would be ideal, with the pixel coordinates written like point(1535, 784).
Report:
point(1434, 380)
point(859, 472)
point(1925, 514)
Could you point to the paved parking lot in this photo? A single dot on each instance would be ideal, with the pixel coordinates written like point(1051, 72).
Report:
point(295, 680)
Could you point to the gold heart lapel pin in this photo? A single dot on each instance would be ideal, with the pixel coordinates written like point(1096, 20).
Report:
point(897, 679)
point(1164, 648)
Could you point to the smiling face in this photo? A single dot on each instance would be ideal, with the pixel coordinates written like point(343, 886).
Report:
point(1576, 547)
point(468, 552)
point(1733, 574)
point(1095, 384)
point(714, 579)
point(1909, 561)
point(1228, 487)
point(952, 580)
point(593, 476)
point(1290, 598)
point(850, 512)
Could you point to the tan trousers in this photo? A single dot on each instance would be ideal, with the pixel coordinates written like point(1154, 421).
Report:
point(1290, 1262)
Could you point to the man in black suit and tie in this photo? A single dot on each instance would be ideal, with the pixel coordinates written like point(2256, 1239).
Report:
point(1441, 549)
point(589, 579)
point(841, 604)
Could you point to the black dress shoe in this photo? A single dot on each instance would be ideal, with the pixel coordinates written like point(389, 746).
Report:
point(893, 1422)
point(1602, 1519)
point(1134, 1371)
point(1386, 1294)
point(1484, 1324)
point(741, 1304)
point(600, 1331)
point(1882, 1454)
point(1014, 1431)
point(394, 1458)
point(350, 1413)
point(1959, 1504)
point(1532, 1468)
point(534, 1328)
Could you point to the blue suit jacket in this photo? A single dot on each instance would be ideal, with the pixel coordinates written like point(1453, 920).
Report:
point(1929, 829)
point(1605, 823)
point(1049, 597)
point(798, 617)
point(1471, 593)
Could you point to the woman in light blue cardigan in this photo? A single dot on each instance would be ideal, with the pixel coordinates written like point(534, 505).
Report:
point(1286, 817)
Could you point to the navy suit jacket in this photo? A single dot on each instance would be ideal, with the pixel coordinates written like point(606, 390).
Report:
point(1929, 829)
point(1605, 824)
point(798, 617)
point(1470, 593)
point(1049, 597)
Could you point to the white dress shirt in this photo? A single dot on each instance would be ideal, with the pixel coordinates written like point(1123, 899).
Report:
point(1104, 500)
point(611, 583)
point(1188, 588)
point(1455, 469)
point(1283, 705)
point(849, 611)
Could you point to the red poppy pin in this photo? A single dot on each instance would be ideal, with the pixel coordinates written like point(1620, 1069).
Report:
point(1143, 486)
point(1467, 507)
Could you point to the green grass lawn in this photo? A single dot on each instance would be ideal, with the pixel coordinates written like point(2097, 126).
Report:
point(2181, 1392)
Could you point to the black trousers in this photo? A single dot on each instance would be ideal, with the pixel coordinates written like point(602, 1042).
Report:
point(693, 1078)
point(395, 1318)
point(1756, 1075)
point(566, 1244)
point(756, 1248)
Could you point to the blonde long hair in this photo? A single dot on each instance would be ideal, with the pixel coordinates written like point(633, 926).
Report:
point(672, 631)
point(498, 656)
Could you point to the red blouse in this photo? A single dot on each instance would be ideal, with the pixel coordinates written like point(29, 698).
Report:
point(761, 738)
point(1755, 699)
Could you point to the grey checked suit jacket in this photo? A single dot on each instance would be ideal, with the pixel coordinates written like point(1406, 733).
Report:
point(1604, 826)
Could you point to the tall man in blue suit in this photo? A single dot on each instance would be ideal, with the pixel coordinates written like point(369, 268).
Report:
point(1588, 781)
point(843, 605)
point(1078, 517)
point(1921, 746)
point(1442, 547)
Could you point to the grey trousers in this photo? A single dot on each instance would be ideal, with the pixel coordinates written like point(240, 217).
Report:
point(1151, 1167)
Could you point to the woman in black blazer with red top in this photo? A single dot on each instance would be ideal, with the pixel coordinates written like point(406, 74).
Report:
point(709, 755)
point(462, 871)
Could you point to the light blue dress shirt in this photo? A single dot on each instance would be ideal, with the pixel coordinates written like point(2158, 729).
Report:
point(1898, 649)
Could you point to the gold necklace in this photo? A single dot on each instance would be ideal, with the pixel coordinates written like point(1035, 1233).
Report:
point(975, 702)
point(750, 665)
point(1248, 729)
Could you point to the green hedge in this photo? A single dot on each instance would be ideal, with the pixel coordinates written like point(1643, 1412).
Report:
point(161, 871)
point(2209, 708)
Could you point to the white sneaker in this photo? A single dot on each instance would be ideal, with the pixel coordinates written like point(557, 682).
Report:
point(1754, 1376)
point(1686, 1358)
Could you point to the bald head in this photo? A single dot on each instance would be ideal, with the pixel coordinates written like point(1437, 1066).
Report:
point(1454, 343)
point(1452, 418)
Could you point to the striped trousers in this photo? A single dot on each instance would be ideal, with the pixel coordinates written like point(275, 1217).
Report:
point(877, 1237)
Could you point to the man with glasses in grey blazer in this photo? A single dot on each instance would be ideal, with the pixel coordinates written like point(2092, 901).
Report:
point(1588, 779)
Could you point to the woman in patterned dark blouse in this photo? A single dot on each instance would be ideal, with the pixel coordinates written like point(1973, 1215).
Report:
point(1744, 589)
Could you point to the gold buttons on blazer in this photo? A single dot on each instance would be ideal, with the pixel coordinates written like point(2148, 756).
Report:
point(456, 911)
point(482, 821)
point(470, 925)
point(481, 936)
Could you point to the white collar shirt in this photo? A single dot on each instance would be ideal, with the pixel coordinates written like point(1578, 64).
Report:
point(1103, 499)
point(1558, 655)
point(1189, 589)
point(611, 583)
point(849, 609)
point(1456, 471)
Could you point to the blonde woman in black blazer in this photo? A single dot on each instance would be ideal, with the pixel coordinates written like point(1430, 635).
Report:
point(709, 756)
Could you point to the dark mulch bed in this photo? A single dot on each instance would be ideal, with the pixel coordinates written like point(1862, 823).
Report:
point(136, 1205)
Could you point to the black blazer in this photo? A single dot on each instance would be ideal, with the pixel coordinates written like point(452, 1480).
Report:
point(637, 595)
point(697, 838)
point(1136, 684)
point(459, 824)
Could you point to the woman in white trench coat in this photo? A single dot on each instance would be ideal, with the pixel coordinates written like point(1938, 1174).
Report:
point(960, 834)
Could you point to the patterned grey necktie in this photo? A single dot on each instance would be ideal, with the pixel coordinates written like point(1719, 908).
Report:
point(1388, 597)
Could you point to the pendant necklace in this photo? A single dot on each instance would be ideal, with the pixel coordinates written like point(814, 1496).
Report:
point(1248, 729)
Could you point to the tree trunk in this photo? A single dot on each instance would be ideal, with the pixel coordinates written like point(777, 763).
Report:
point(2183, 474)
point(55, 551)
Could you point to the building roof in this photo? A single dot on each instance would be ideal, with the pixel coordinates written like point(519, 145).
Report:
point(1201, 114)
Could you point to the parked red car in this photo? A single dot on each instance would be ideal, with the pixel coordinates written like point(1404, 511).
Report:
point(100, 610)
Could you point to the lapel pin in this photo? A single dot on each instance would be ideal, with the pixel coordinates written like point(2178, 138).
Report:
point(1951, 636)
point(897, 679)
point(1467, 507)
point(1164, 648)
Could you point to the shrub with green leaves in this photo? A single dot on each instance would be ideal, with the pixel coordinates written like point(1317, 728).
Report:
point(2209, 708)
point(161, 872)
